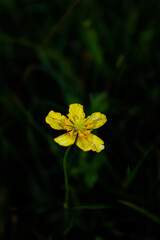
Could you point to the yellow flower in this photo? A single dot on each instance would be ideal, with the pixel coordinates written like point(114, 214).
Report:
point(78, 128)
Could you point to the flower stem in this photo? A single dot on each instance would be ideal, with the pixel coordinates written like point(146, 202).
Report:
point(66, 184)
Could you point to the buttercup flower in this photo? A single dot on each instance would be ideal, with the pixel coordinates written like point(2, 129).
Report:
point(78, 128)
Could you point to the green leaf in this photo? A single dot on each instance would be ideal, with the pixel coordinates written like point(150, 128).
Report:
point(91, 40)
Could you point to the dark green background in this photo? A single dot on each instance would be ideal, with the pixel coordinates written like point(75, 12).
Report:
point(106, 56)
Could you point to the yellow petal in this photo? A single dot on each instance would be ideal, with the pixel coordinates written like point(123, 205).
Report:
point(65, 139)
point(83, 143)
point(97, 143)
point(90, 142)
point(76, 112)
point(97, 120)
point(56, 120)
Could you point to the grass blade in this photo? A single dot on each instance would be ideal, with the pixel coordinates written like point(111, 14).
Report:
point(92, 207)
point(143, 211)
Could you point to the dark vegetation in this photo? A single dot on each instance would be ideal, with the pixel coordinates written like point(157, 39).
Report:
point(106, 56)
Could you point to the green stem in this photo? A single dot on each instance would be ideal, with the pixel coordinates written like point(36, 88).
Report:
point(66, 178)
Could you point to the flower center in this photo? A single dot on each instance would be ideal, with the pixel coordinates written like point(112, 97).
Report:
point(79, 124)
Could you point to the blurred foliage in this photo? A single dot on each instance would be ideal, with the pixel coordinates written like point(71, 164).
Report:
point(105, 56)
